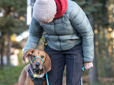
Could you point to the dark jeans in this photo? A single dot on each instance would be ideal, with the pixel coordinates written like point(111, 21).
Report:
point(72, 59)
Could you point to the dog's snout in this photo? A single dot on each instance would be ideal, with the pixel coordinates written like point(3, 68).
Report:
point(37, 64)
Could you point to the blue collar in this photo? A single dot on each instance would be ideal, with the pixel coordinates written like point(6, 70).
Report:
point(39, 58)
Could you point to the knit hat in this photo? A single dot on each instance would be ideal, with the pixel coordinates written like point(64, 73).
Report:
point(44, 10)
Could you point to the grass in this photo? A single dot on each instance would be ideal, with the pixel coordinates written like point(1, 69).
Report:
point(103, 84)
point(9, 75)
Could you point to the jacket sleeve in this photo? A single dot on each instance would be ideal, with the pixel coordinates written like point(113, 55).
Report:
point(35, 34)
point(82, 25)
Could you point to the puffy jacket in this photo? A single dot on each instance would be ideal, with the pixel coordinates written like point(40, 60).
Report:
point(65, 32)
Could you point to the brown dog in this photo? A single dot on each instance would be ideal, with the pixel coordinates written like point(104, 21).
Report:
point(37, 64)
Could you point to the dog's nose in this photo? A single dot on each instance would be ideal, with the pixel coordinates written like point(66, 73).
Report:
point(37, 64)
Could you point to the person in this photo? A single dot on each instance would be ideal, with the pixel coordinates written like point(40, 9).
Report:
point(69, 37)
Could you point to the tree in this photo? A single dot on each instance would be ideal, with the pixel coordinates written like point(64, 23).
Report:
point(93, 72)
point(105, 23)
point(12, 21)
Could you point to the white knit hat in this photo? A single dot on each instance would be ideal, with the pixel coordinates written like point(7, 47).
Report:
point(44, 10)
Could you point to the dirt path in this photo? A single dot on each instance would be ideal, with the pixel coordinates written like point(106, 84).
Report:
point(87, 78)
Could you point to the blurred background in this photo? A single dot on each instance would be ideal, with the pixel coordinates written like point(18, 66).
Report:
point(15, 18)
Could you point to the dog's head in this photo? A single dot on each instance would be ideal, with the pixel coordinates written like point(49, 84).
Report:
point(38, 63)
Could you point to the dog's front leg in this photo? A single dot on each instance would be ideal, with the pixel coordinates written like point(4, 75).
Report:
point(22, 77)
point(29, 81)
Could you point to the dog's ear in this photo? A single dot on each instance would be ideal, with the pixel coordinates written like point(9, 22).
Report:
point(27, 53)
point(47, 64)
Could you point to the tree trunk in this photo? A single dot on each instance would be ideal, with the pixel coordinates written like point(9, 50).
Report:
point(93, 72)
point(2, 48)
point(2, 52)
point(8, 51)
point(100, 51)
point(106, 55)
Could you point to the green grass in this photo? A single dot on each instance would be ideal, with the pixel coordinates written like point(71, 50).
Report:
point(9, 75)
point(103, 84)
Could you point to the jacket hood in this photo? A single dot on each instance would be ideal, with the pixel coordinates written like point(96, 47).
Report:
point(61, 8)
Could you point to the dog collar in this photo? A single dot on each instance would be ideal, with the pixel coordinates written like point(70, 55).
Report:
point(39, 58)
point(38, 76)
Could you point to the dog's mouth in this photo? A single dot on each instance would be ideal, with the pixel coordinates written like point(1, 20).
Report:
point(38, 70)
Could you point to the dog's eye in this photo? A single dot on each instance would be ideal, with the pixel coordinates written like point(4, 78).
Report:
point(42, 56)
point(33, 56)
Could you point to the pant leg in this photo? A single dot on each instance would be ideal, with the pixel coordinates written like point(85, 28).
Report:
point(74, 64)
point(57, 66)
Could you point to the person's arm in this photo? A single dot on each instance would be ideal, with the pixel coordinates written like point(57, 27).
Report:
point(82, 25)
point(35, 34)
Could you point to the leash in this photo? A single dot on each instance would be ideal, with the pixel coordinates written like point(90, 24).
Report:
point(36, 75)
point(47, 79)
point(81, 78)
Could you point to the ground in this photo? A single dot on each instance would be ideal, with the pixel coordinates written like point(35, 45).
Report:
point(86, 79)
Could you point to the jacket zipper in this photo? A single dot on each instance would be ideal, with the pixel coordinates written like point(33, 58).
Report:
point(58, 36)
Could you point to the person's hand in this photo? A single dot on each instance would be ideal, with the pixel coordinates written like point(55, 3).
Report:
point(88, 65)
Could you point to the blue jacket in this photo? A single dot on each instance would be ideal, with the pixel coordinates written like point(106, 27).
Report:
point(65, 32)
